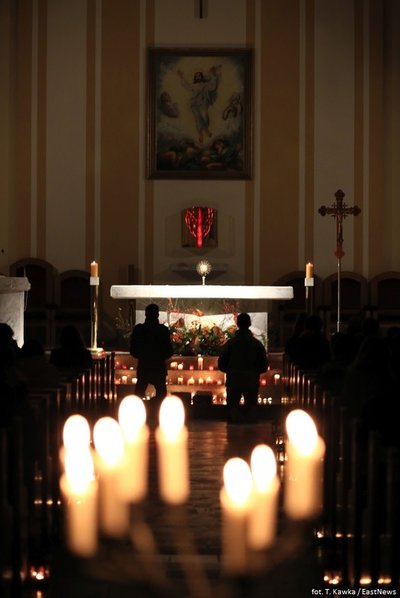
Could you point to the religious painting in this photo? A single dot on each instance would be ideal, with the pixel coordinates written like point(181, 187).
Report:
point(199, 114)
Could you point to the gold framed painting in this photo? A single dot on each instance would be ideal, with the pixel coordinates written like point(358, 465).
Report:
point(199, 113)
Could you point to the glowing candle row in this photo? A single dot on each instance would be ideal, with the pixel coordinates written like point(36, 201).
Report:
point(250, 494)
point(249, 502)
point(121, 462)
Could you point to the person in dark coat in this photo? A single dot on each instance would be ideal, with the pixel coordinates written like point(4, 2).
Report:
point(151, 344)
point(243, 359)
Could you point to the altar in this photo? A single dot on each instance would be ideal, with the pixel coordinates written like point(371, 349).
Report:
point(12, 304)
point(208, 304)
point(201, 318)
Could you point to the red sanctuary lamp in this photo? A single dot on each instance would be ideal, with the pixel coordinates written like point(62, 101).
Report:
point(198, 222)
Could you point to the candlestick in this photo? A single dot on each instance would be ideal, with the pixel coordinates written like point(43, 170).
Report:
point(303, 473)
point(263, 513)
point(94, 301)
point(108, 440)
point(171, 440)
point(235, 499)
point(133, 474)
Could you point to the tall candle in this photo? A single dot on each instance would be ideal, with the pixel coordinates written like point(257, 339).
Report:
point(263, 514)
point(94, 269)
point(134, 467)
point(235, 498)
point(304, 467)
point(171, 439)
point(309, 270)
point(108, 440)
point(200, 362)
point(79, 488)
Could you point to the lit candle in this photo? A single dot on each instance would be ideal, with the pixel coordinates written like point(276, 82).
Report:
point(171, 439)
point(180, 379)
point(173, 365)
point(124, 379)
point(94, 269)
point(109, 443)
point(303, 472)
point(191, 380)
point(79, 488)
point(235, 497)
point(133, 473)
point(309, 270)
point(200, 362)
point(277, 378)
point(211, 367)
point(263, 514)
point(191, 367)
point(263, 382)
point(201, 380)
point(209, 380)
point(180, 366)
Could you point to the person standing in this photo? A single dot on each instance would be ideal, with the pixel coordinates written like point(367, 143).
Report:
point(151, 344)
point(243, 359)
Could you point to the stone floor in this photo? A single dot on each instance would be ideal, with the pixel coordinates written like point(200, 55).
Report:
point(291, 569)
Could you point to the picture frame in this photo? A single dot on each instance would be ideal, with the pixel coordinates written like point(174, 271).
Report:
point(199, 113)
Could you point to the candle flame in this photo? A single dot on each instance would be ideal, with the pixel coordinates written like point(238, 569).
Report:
point(263, 466)
point(237, 480)
point(79, 469)
point(172, 416)
point(302, 431)
point(131, 416)
point(76, 432)
point(108, 440)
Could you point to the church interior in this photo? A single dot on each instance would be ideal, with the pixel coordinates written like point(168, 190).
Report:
point(214, 157)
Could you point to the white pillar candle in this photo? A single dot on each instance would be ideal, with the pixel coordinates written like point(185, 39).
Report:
point(109, 443)
point(94, 269)
point(79, 488)
point(263, 514)
point(304, 467)
point(309, 270)
point(200, 362)
point(235, 500)
point(171, 439)
point(134, 468)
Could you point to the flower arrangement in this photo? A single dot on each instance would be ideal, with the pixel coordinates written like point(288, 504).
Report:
point(198, 339)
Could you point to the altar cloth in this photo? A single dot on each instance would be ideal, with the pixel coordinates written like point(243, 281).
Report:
point(207, 291)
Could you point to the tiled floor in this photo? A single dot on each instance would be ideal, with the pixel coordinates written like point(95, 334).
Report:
point(118, 572)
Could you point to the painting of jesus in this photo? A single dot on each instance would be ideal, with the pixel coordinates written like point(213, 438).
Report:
point(199, 114)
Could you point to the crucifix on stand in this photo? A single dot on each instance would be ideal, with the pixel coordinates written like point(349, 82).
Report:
point(339, 210)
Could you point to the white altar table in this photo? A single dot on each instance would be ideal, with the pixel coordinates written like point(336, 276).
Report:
point(192, 291)
point(207, 292)
point(12, 304)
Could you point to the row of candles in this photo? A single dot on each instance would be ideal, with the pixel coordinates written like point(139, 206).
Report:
point(125, 379)
point(100, 482)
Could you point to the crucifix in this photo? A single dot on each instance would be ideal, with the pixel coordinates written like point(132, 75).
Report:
point(339, 210)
